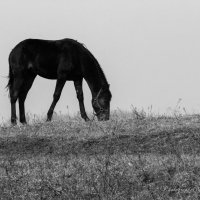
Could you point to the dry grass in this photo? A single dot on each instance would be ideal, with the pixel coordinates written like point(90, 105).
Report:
point(132, 156)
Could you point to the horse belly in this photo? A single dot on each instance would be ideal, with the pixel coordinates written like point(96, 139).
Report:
point(44, 72)
point(47, 68)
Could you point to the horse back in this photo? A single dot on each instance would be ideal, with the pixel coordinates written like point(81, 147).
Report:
point(54, 59)
point(47, 58)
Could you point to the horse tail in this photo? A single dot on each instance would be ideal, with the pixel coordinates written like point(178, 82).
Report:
point(10, 78)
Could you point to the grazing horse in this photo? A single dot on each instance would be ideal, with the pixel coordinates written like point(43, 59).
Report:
point(64, 60)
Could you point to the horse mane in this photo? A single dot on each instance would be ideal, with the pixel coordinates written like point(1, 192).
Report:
point(102, 75)
point(100, 71)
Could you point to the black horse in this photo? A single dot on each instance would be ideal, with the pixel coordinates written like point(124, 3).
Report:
point(64, 60)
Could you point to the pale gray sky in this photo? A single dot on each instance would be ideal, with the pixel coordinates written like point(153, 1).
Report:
point(148, 49)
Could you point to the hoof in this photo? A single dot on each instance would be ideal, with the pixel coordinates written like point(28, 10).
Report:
point(87, 119)
point(13, 122)
point(23, 122)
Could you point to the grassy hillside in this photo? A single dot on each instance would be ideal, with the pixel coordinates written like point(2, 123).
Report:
point(132, 156)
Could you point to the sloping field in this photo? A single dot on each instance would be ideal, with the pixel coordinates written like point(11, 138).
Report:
point(132, 156)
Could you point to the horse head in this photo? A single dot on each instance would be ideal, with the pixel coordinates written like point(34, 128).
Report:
point(101, 103)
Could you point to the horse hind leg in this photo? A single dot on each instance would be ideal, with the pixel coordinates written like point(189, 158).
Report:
point(22, 96)
point(14, 94)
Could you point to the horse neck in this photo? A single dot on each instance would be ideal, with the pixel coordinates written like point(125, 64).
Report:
point(96, 83)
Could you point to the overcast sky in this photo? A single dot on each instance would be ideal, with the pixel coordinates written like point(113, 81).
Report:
point(148, 49)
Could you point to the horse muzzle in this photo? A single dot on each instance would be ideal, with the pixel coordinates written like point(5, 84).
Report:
point(103, 116)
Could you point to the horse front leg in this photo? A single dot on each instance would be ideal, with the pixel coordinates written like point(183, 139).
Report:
point(79, 92)
point(59, 86)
